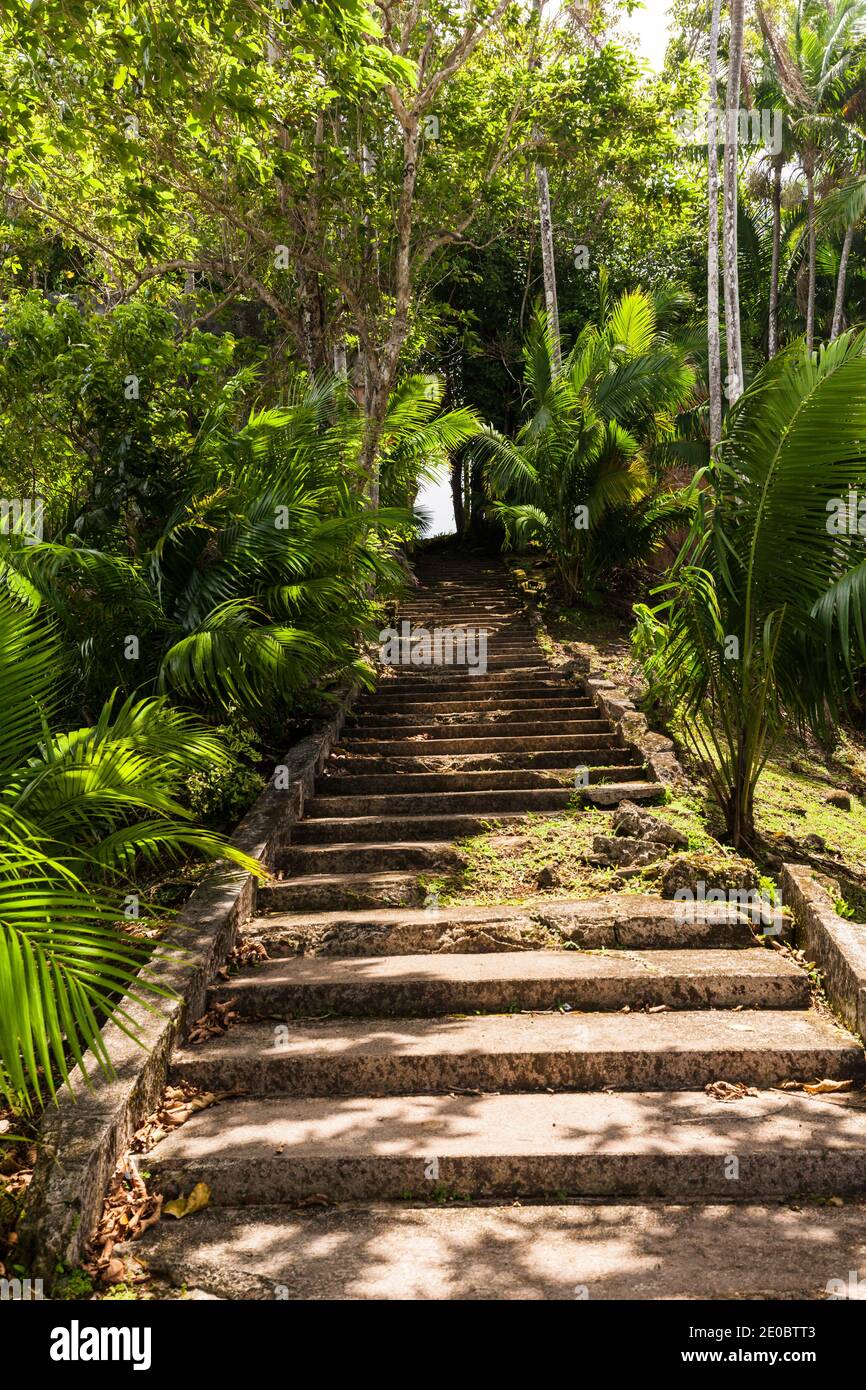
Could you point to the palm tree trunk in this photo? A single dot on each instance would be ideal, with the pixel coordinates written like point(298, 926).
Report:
point(839, 306)
point(547, 261)
point(773, 332)
point(732, 282)
point(457, 492)
point(812, 249)
point(548, 264)
point(714, 371)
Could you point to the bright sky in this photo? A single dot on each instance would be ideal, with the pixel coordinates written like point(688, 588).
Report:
point(649, 26)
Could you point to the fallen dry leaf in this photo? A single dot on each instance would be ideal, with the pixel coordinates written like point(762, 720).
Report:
point(824, 1088)
point(193, 1202)
point(217, 1020)
point(729, 1090)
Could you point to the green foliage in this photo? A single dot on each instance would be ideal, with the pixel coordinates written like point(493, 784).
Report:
point(579, 480)
point(79, 810)
point(220, 795)
point(762, 623)
point(104, 415)
point(270, 570)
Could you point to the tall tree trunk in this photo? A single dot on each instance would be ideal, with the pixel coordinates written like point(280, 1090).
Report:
point(839, 306)
point(547, 261)
point(457, 492)
point(713, 338)
point(732, 280)
point(548, 264)
point(809, 165)
point(773, 330)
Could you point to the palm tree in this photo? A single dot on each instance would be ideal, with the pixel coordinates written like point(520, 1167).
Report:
point(843, 210)
point(714, 365)
point(769, 95)
point(545, 221)
point(762, 624)
point(813, 61)
point(268, 574)
point(729, 203)
point(578, 479)
point(80, 810)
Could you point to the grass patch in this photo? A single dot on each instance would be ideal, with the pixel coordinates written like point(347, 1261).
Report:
point(547, 859)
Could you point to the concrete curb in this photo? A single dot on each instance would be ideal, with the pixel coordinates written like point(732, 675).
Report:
point(837, 946)
point(613, 703)
point(83, 1136)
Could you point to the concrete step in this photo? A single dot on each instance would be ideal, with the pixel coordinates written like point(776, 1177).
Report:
point(506, 727)
point(523, 1052)
point(610, 794)
point(675, 1144)
point(422, 745)
point(481, 803)
point(396, 681)
point(532, 663)
point(370, 857)
point(582, 1250)
point(335, 891)
point(394, 692)
point(360, 829)
point(498, 779)
point(361, 767)
point(755, 978)
point(624, 921)
point(458, 706)
point(449, 717)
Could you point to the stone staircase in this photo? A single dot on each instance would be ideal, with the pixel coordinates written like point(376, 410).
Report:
point(501, 1102)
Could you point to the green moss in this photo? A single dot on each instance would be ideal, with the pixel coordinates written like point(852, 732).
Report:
point(76, 1284)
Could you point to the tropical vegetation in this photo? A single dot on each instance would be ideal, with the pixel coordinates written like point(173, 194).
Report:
point(269, 274)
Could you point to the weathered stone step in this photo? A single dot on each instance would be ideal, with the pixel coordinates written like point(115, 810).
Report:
point(446, 717)
point(465, 604)
point(398, 681)
point(567, 1251)
point(335, 891)
point(755, 978)
point(466, 704)
point(443, 827)
point(624, 921)
point(370, 857)
point(675, 1144)
point(503, 728)
point(361, 767)
point(351, 783)
point(393, 692)
point(421, 746)
point(523, 1052)
point(607, 794)
point(480, 803)
point(534, 664)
